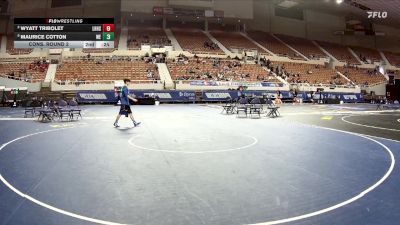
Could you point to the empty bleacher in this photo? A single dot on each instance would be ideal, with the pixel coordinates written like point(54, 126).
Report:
point(394, 59)
point(362, 76)
point(304, 46)
point(272, 44)
point(194, 40)
point(367, 55)
point(153, 36)
point(234, 40)
point(340, 52)
point(84, 71)
point(222, 70)
point(310, 74)
point(25, 71)
point(16, 51)
point(394, 73)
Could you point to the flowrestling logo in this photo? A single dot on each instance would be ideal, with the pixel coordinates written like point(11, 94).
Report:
point(376, 14)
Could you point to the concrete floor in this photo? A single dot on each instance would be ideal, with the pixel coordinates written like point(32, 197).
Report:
point(189, 164)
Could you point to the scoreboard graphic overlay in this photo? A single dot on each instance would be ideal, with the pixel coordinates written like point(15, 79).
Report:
point(64, 33)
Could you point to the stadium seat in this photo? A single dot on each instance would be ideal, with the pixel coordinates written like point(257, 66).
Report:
point(77, 72)
point(340, 52)
point(362, 76)
point(16, 51)
point(272, 44)
point(304, 46)
point(310, 74)
point(234, 40)
point(153, 36)
point(367, 55)
point(394, 59)
point(194, 41)
point(205, 69)
point(28, 71)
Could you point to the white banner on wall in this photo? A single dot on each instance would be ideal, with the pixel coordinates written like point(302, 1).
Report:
point(209, 13)
point(195, 3)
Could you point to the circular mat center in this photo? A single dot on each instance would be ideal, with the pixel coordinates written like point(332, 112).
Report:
point(193, 143)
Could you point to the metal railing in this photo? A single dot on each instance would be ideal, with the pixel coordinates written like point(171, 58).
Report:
point(369, 85)
point(324, 85)
point(81, 82)
point(232, 83)
point(24, 79)
point(200, 52)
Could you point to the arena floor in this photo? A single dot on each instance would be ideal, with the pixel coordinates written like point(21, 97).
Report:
point(190, 164)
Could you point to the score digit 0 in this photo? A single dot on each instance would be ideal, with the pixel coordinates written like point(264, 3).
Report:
point(108, 27)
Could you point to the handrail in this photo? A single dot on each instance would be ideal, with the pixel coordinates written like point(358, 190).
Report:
point(198, 52)
point(79, 82)
point(243, 48)
point(369, 85)
point(323, 85)
point(233, 83)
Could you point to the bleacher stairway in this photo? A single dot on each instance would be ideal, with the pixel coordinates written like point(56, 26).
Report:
point(51, 73)
point(123, 40)
point(256, 43)
point(165, 76)
point(174, 42)
point(355, 55)
point(324, 51)
point(384, 58)
point(221, 46)
point(3, 48)
point(293, 49)
point(344, 77)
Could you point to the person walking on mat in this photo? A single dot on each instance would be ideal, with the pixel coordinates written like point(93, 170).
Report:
point(125, 105)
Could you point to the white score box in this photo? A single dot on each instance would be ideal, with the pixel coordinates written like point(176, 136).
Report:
point(89, 44)
point(96, 28)
point(104, 44)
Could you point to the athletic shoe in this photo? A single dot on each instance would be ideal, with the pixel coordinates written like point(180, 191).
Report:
point(116, 125)
point(136, 123)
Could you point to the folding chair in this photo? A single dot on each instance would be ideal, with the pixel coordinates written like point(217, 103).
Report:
point(63, 110)
point(242, 106)
point(228, 108)
point(46, 113)
point(273, 109)
point(255, 108)
point(29, 110)
point(75, 112)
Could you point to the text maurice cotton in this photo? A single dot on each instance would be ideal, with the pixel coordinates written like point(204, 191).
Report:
point(43, 37)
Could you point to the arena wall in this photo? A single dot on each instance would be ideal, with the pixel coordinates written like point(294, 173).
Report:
point(143, 6)
point(235, 8)
point(90, 8)
point(379, 89)
point(292, 27)
point(262, 16)
point(320, 26)
point(32, 87)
